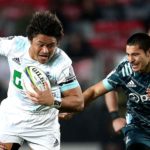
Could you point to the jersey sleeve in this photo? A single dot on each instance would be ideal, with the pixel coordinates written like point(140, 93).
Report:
point(117, 77)
point(67, 79)
point(13, 45)
point(64, 72)
point(111, 81)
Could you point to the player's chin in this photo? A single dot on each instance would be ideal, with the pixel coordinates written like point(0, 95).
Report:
point(135, 68)
point(43, 60)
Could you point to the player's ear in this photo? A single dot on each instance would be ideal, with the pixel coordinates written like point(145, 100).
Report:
point(148, 52)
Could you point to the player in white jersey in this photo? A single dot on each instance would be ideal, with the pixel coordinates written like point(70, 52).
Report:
point(29, 116)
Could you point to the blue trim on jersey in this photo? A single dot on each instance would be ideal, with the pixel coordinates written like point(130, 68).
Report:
point(107, 85)
point(130, 69)
point(123, 72)
point(126, 69)
point(69, 86)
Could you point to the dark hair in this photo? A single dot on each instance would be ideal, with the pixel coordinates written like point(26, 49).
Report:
point(45, 22)
point(140, 39)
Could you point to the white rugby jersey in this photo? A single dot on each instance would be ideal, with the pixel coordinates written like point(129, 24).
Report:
point(59, 71)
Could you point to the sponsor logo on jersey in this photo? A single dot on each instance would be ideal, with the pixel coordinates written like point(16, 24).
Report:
point(137, 98)
point(130, 84)
point(17, 60)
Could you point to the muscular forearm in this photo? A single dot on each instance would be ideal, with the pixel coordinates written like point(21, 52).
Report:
point(111, 99)
point(72, 100)
point(72, 104)
point(89, 96)
point(93, 92)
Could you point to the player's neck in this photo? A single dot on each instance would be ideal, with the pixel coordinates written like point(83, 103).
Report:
point(147, 68)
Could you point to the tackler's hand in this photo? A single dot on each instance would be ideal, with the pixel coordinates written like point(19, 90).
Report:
point(118, 124)
point(148, 92)
point(65, 116)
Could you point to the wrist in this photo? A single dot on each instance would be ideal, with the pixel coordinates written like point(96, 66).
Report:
point(114, 115)
point(56, 103)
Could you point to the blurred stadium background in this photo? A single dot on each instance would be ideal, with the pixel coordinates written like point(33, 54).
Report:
point(95, 35)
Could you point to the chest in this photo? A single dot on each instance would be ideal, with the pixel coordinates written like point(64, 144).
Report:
point(17, 65)
point(137, 83)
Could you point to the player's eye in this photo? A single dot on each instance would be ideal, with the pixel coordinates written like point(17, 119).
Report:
point(51, 45)
point(41, 45)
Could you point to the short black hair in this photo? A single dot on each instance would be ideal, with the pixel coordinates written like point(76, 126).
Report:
point(45, 22)
point(140, 39)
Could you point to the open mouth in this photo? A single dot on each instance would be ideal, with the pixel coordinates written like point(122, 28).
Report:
point(44, 56)
point(134, 66)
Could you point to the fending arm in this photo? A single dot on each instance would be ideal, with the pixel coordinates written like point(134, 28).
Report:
point(93, 92)
point(111, 100)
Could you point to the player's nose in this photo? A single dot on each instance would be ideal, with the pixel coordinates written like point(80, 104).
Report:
point(45, 49)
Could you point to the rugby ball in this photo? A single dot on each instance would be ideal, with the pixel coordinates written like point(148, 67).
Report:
point(34, 76)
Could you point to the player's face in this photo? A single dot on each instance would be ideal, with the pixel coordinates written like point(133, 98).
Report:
point(42, 48)
point(139, 60)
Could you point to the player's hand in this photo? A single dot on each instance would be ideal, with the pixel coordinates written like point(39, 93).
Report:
point(41, 97)
point(65, 116)
point(3, 146)
point(118, 124)
point(148, 92)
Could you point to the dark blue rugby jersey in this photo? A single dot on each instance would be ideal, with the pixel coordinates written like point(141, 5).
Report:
point(134, 85)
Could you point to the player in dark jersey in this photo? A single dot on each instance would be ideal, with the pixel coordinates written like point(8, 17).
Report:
point(133, 76)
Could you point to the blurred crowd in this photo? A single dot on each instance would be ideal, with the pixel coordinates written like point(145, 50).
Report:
point(95, 36)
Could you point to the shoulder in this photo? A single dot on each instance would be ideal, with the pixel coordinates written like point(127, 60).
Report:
point(16, 42)
point(123, 62)
point(19, 46)
point(13, 44)
point(21, 42)
point(123, 69)
point(13, 38)
point(60, 57)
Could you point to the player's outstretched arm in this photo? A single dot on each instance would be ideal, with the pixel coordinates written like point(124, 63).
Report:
point(94, 92)
point(89, 95)
point(111, 100)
